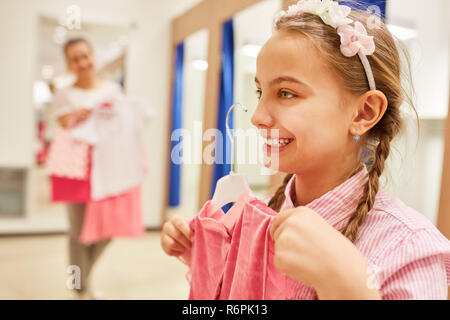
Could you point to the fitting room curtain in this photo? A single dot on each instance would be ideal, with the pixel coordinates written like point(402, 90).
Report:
point(177, 118)
point(222, 165)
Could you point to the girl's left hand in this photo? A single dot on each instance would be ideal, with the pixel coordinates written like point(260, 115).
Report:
point(311, 251)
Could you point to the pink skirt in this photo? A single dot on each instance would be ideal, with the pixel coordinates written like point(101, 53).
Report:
point(118, 216)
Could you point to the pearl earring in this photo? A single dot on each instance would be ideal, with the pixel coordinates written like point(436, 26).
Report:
point(356, 138)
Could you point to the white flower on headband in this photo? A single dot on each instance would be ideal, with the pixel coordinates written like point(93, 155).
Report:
point(355, 39)
point(317, 7)
point(331, 12)
point(336, 15)
point(296, 9)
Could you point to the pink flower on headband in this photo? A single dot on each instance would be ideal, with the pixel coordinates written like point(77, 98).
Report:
point(355, 39)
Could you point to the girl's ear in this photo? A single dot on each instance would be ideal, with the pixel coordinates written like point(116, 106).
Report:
point(370, 108)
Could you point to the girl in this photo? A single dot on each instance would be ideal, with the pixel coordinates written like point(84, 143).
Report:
point(332, 89)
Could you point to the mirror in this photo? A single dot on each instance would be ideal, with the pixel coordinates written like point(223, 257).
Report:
point(110, 46)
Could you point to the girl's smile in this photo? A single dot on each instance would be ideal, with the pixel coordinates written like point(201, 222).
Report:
point(276, 145)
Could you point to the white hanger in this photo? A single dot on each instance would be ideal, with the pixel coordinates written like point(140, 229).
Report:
point(230, 187)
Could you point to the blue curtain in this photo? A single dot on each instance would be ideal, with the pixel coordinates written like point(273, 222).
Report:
point(177, 117)
point(364, 4)
point(223, 155)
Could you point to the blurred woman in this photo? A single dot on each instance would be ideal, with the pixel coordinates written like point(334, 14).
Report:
point(92, 221)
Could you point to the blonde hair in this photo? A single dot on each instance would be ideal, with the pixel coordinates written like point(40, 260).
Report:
point(385, 63)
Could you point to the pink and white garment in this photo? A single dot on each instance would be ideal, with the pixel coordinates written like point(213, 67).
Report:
point(409, 256)
point(69, 162)
point(116, 137)
point(232, 254)
point(69, 190)
point(116, 214)
point(118, 155)
point(68, 157)
point(111, 217)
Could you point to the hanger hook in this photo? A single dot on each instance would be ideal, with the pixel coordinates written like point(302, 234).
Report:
point(228, 116)
point(228, 130)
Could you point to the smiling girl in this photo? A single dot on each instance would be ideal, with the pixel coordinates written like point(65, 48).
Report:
point(332, 90)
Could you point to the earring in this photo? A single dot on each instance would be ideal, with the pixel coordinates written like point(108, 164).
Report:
point(356, 138)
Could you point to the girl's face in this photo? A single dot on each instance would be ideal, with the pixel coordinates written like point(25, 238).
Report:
point(301, 97)
point(80, 60)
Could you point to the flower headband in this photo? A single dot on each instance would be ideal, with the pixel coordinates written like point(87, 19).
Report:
point(354, 39)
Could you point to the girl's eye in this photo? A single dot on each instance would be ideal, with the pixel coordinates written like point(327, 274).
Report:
point(286, 95)
point(258, 94)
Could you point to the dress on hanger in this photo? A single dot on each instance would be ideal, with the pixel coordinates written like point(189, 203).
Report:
point(232, 254)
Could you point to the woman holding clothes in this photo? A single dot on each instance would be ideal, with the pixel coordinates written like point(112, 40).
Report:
point(85, 160)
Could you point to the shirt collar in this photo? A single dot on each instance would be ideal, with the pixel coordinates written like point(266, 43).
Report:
point(337, 204)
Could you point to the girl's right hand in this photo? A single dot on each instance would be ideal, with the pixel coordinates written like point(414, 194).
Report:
point(176, 236)
point(74, 118)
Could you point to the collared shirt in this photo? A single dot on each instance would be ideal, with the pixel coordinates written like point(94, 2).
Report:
point(409, 256)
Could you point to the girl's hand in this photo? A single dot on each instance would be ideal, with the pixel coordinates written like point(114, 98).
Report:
point(176, 236)
point(74, 118)
point(311, 251)
point(82, 114)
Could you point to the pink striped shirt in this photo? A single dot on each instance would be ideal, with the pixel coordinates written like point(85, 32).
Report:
point(409, 256)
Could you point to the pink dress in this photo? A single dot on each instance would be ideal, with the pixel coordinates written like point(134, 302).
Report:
point(111, 217)
point(69, 165)
point(232, 255)
point(72, 190)
point(68, 157)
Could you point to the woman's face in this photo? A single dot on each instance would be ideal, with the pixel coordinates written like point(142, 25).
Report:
point(300, 96)
point(80, 60)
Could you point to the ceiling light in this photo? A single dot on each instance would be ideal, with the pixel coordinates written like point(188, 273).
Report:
point(251, 50)
point(199, 64)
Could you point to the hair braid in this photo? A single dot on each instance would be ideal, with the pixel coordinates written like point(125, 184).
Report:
point(371, 187)
point(278, 198)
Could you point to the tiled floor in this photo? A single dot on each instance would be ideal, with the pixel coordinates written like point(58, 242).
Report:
point(34, 267)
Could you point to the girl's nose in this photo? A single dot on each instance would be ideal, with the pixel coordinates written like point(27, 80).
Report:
point(262, 118)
